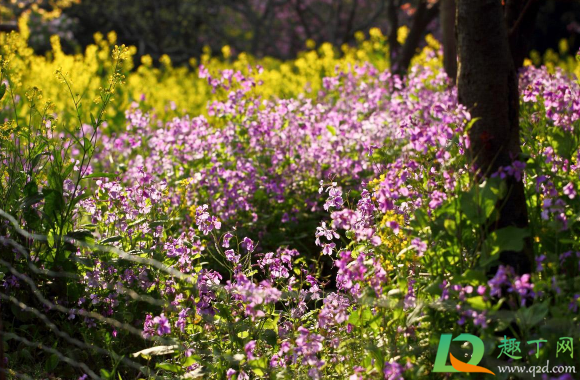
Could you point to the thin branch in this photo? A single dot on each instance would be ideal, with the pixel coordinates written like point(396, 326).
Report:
point(523, 13)
point(9, 26)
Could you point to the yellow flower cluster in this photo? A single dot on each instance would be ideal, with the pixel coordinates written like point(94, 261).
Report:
point(6, 129)
point(169, 89)
point(552, 59)
point(394, 242)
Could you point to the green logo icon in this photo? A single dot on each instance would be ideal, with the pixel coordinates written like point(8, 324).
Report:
point(458, 365)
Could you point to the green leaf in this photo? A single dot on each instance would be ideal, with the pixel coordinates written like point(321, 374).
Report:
point(80, 235)
point(260, 195)
point(87, 144)
point(415, 316)
point(53, 202)
point(528, 317)
point(169, 367)
point(450, 226)
point(31, 200)
point(37, 158)
point(157, 223)
point(478, 303)
point(189, 361)
point(473, 277)
point(270, 336)
point(377, 354)
point(470, 124)
point(31, 188)
point(432, 289)
point(101, 175)
point(360, 317)
point(272, 323)
point(134, 223)
point(259, 366)
point(331, 129)
point(563, 142)
point(68, 170)
point(506, 239)
point(112, 239)
point(2, 90)
point(354, 318)
point(479, 202)
point(51, 363)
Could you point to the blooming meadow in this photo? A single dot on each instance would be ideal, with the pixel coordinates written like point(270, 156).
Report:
point(252, 218)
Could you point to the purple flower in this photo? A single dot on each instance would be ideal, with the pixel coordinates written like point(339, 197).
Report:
point(226, 240)
point(334, 197)
point(230, 373)
point(249, 349)
point(569, 190)
point(564, 256)
point(252, 295)
point(394, 371)
point(437, 198)
point(419, 245)
point(278, 264)
point(539, 263)
point(334, 311)
point(206, 281)
point(394, 226)
point(148, 327)
point(323, 231)
point(479, 319)
point(182, 319)
point(314, 373)
point(327, 249)
point(573, 306)
point(231, 256)
point(500, 280)
point(307, 346)
point(248, 244)
point(523, 287)
point(204, 221)
point(163, 327)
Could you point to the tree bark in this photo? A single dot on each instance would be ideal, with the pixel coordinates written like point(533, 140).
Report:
point(8, 27)
point(424, 14)
point(448, 37)
point(2, 364)
point(520, 17)
point(393, 16)
point(488, 87)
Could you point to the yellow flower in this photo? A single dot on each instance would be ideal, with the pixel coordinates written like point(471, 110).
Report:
point(226, 51)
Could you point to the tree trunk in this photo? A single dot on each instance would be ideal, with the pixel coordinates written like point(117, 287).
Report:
point(2, 364)
point(424, 14)
point(8, 26)
point(393, 16)
point(520, 17)
point(488, 87)
point(448, 37)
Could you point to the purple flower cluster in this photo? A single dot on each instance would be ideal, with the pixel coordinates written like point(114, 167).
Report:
point(161, 322)
point(505, 279)
point(278, 264)
point(560, 95)
point(253, 296)
point(334, 312)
